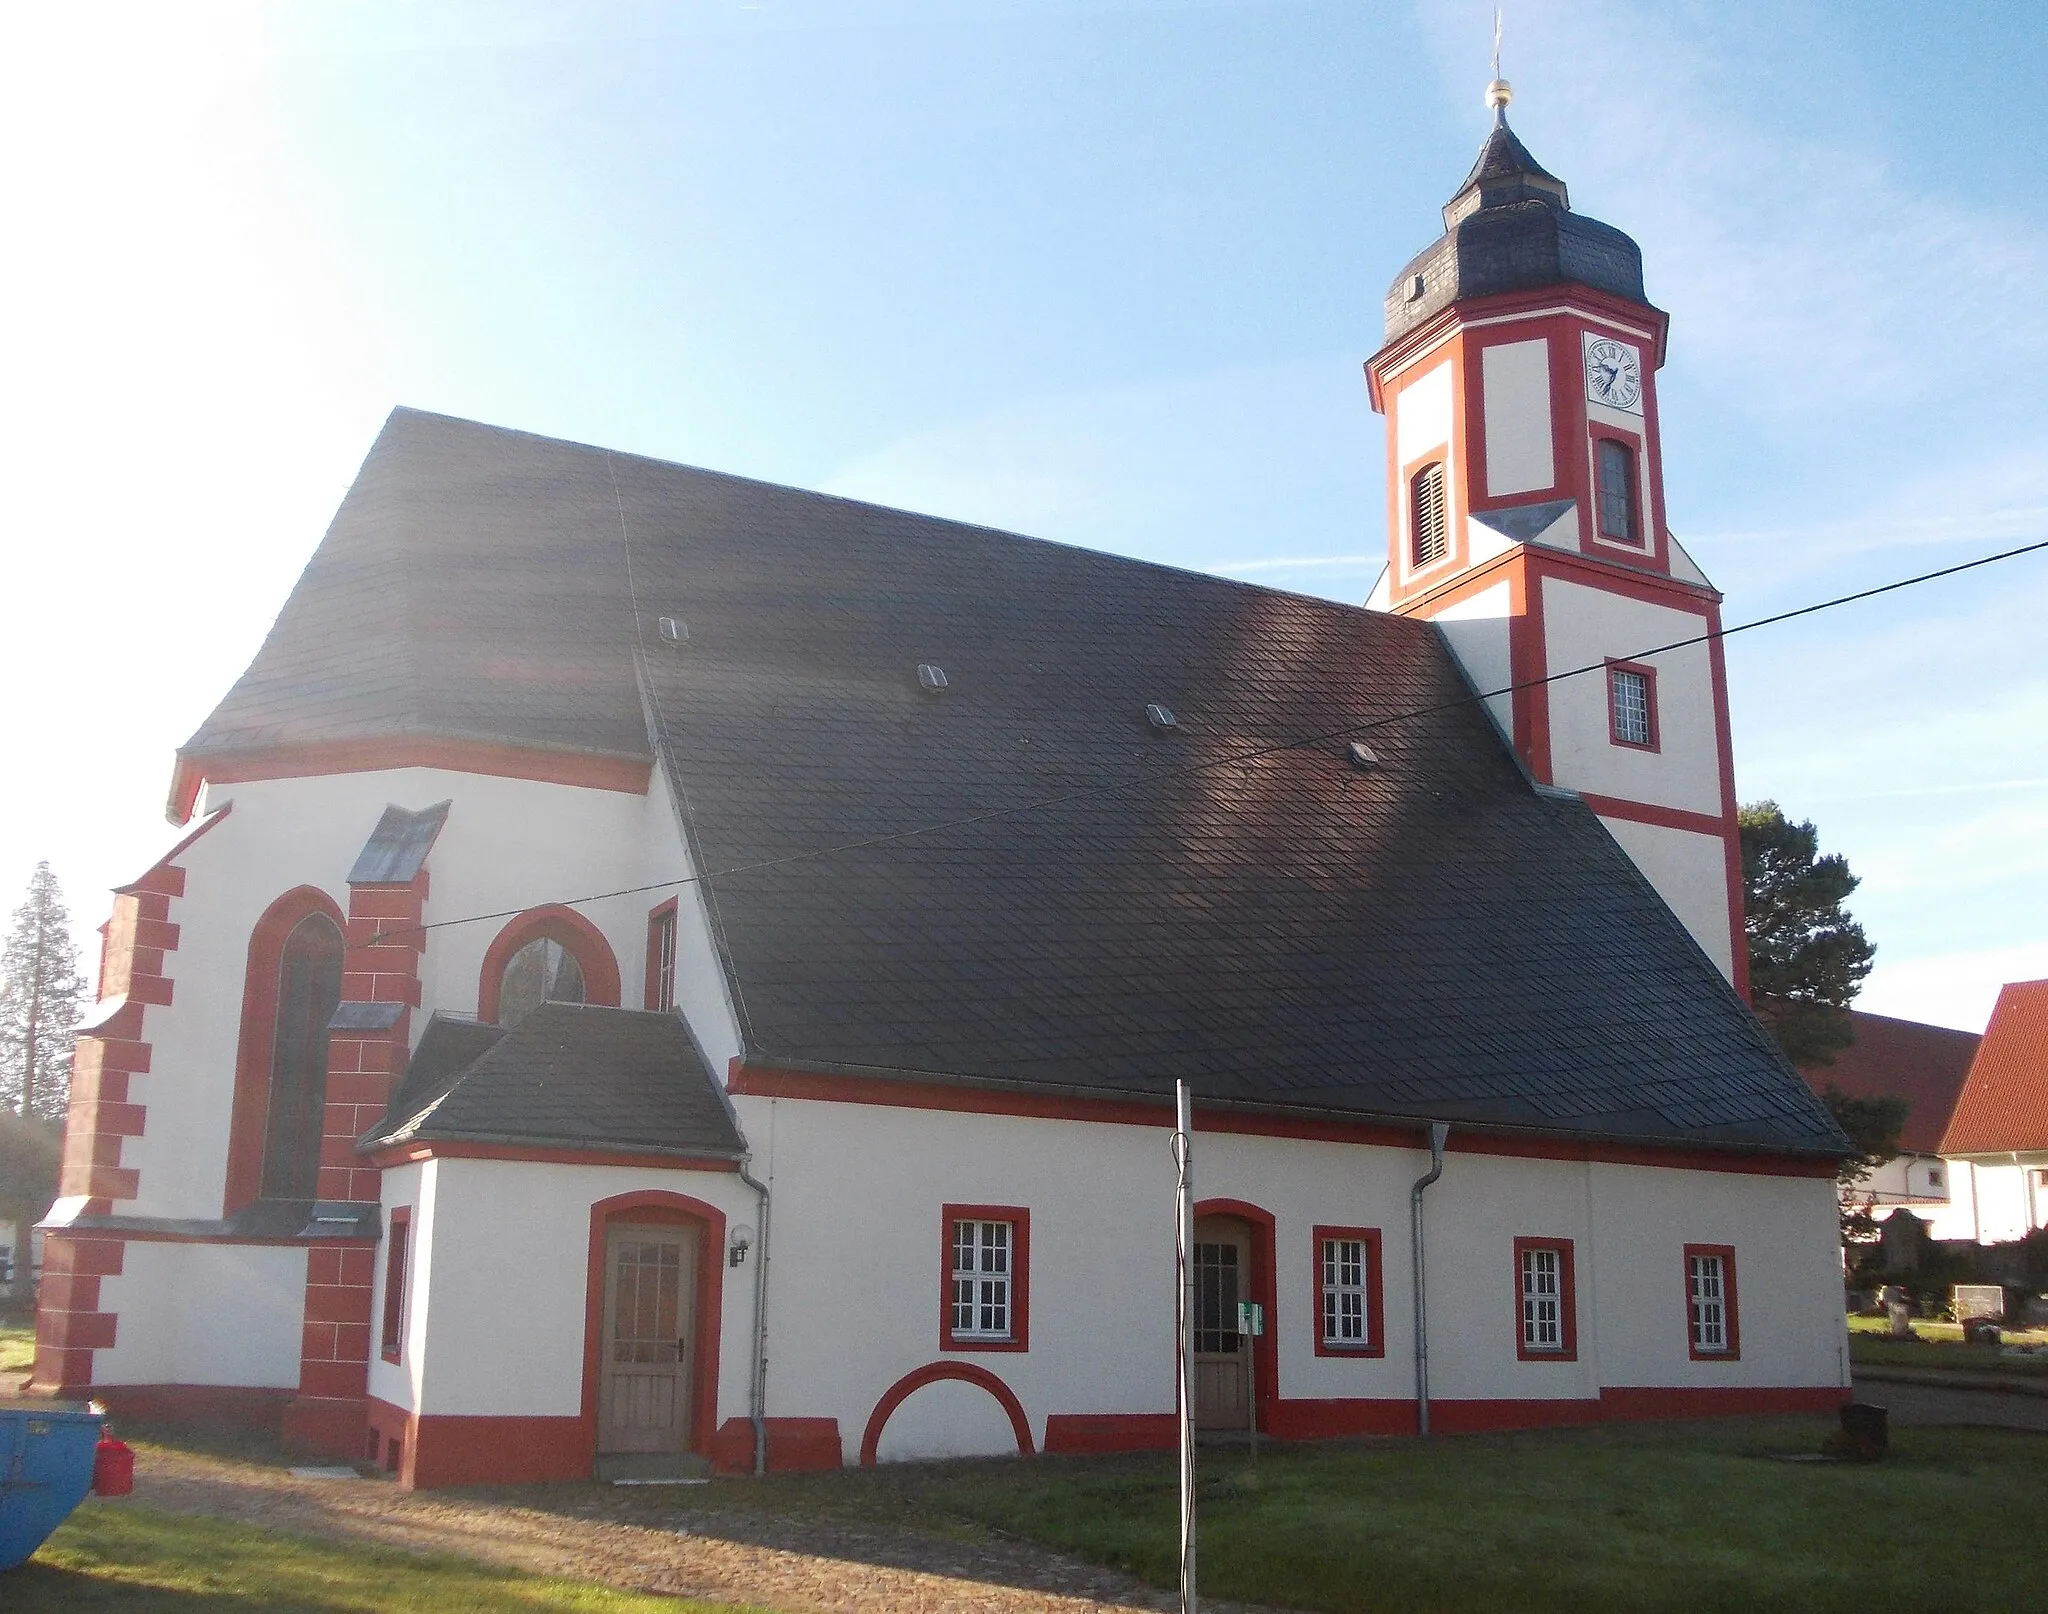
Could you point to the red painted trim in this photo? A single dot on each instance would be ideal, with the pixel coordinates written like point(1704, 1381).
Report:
point(1648, 674)
point(1647, 548)
point(795, 1445)
point(1644, 812)
point(1610, 573)
point(582, 940)
point(932, 1373)
point(1453, 557)
point(1264, 1291)
point(397, 1251)
point(834, 1088)
point(405, 1154)
point(1567, 1305)
point(656, 1206)
point(1727, 1254)
point(435, 1450)
point(248, 1113)
point(586, 770)
point(1467, 316)
point(1375, 1297)
point(1019, 1219)
point(151, 878)
point(239, 1406)
point(658, 994)
point(1081, 1433)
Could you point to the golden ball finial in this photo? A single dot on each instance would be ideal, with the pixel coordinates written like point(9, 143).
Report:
point(1498, 94)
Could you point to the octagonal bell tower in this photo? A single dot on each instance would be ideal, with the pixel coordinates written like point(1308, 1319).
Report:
point(1526, 518)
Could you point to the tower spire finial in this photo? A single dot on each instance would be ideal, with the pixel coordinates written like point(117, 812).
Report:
point(1498, 93)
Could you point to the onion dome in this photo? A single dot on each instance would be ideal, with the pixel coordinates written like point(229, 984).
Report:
point(1511, 228)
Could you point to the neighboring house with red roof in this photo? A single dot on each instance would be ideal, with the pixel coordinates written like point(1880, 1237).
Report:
point(1924, 1065)
point(1998, 1133)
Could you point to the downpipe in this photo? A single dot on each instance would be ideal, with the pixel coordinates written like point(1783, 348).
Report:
point(757, 1384)
point(1439, 1131)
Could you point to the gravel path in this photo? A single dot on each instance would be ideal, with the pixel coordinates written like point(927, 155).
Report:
point(806, 1565)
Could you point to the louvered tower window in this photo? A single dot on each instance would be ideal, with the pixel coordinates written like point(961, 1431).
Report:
point(1617, 492)
point(1428, 526)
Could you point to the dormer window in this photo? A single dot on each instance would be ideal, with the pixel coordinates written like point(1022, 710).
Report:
point(1429, 525)
point(1616, 492)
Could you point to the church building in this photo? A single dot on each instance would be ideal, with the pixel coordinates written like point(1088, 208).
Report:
point(628, 919)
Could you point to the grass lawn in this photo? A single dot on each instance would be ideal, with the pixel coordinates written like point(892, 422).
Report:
point(1940, 1345)
point(1674, 1517)
point(119, 1557)
point(17, 1351)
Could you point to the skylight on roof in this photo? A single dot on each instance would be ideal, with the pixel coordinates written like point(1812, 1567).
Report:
point(932, 677)
point(1363, 757)
point(1161, 716)
point(673, 630)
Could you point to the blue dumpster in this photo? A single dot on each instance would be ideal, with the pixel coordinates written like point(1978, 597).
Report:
point(46, 1462)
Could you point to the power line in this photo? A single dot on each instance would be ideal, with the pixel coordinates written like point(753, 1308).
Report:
point(1236, 758)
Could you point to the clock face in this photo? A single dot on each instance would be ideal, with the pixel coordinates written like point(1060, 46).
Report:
point(1614, 375)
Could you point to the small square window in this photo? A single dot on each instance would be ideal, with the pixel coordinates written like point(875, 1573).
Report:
point(986, 1302)
point(1632, 705)
point(1548, 1323)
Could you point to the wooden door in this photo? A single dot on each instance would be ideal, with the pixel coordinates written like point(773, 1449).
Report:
point(1223, 1271)
point(649, 1362)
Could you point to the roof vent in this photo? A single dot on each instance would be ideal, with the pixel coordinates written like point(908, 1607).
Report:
point(1417, 286)
point(1363, 757)
point(933, 678)
point(672, 630)
point(1161, 716)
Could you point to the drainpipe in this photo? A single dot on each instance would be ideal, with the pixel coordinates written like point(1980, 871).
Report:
point(1438, 1132)
point(757, 1385)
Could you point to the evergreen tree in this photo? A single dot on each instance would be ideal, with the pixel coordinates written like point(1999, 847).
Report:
point(1807, 956)
point(41, 993)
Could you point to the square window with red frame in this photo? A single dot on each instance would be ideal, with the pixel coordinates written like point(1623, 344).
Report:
point(1547, 1328)
point(1632, 705)
point(1350, 1305)
point(1712, 1322)
point(985, 1278)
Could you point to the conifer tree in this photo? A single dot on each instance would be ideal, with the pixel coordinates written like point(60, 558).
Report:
point(41, 993)
point(1807, 955)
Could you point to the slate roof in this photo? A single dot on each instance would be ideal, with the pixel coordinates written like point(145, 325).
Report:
point(2004, 1104)
point(1925, 1065)
point(1510, 227)
point(566, 1075)
point(1126, 905)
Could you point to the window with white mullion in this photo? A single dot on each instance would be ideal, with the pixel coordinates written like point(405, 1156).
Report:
point(1707, 1279)
point(1631, 693)
point(1542, 1301)
point(981, 1280)
point(1344, 1276)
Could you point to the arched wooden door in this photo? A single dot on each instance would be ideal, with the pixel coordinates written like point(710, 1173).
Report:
point(1223, 1277)
point(647, 1370)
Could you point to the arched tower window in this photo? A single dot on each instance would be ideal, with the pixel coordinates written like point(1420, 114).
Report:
point(1428, 522)
point(1617, 492)
point(308, 988)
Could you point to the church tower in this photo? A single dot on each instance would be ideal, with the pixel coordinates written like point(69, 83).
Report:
point(1526, 518)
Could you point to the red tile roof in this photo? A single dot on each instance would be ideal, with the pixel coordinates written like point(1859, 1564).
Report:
point(1925, 1065)
point(2004, 1106)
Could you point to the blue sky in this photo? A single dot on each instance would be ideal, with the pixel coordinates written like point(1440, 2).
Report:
point(1102, 272)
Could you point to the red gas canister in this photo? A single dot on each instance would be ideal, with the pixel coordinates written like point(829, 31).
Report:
point(113, 1468)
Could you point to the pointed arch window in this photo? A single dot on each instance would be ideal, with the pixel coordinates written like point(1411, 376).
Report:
point(308, 988)
point(1616, 492)
point(1428, 516)
point(546, 955)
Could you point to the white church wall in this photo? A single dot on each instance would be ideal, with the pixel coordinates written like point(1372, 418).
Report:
point(509, 844)
point(948, 1418)
point(411, 1188)
point(1476, 628)
point(859, 1192)
point(1520, 451)
point(1690, 873)
point(1582, 627)
point(204, 1314)
point(503, 1285)
point(1423, 421)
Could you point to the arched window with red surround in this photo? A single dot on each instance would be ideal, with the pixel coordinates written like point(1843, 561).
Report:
point(289, 992)
point(546, 955)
